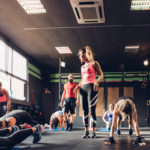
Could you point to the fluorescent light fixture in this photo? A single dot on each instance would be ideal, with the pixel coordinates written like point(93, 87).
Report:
point(132, 48)
point(140, 5)
point(62, 64)
point(146, 62)
point(32, 6)
point(64, 50)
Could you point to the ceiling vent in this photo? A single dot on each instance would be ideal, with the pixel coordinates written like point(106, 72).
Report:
point(88, 11)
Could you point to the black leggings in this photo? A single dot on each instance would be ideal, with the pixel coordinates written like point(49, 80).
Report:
point(3, 108)
point(16, 138)
point(88, 100)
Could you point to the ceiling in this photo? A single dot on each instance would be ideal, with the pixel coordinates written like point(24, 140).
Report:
point(37, 35)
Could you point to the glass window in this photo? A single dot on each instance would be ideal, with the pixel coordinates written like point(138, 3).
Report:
point(8, 56)
point(19, 65)
point(2, 55)
point(18, 89)
point(5, 79)
point(13, 64)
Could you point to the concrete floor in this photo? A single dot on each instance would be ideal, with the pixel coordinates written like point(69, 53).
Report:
point(65, 140)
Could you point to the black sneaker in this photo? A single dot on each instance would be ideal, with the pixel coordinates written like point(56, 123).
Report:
point(70, 127)
point(118, 132)
point(14, 129)
point(37, 134)
point(86, 135)
point(67, 126)
point(130, 131)
point(93, 135)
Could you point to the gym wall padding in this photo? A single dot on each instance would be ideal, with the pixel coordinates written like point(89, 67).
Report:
point(100, 104)
point(128, 91)
point(113, 94)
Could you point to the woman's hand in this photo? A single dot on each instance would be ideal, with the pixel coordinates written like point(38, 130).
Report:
point(96, 86)
point(61, 104)
point(77, 102)
point(76, 89)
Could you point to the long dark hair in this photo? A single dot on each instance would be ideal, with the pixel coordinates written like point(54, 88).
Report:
point(55, 123)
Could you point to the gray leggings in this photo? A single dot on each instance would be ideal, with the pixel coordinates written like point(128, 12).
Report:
point(88, 100)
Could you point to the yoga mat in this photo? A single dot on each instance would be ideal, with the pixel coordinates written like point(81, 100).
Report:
point(104, 130)
point(57, 129)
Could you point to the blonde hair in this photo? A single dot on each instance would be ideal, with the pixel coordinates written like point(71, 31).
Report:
point(89, 53)
point(127, 108)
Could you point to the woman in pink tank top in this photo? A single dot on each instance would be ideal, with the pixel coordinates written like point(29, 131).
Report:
point(89, 87)
point(5, 101)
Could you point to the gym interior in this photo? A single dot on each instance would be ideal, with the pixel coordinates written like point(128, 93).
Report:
point(34, 63)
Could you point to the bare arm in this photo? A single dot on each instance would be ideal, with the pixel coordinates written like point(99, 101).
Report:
point(50, 121)
point(60, 120)
point(99, 71)
point(114, 122)
point(135, 122)
point(78, 97)
point(63, 97)
point(104, 117)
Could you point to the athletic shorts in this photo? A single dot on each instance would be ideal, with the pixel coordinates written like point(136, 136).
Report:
point(69, 105)
point(129, 118)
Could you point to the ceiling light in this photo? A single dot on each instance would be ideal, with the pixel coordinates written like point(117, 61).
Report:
point(132, 48)
point(140, 5)
point(146, 62)
point(62, 64)
point(63, 50)
point(32, 6)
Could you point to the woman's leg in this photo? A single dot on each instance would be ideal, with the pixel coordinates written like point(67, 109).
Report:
point(4, 132)
point(15, 138)
point(92, 98)
point(85, 107)
point(3, 108)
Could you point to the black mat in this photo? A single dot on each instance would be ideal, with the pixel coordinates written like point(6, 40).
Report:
point(65, 140)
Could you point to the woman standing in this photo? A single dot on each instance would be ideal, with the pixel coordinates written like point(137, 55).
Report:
point(89, 87)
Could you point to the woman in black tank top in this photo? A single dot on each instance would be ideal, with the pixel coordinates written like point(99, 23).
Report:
point(16, 117)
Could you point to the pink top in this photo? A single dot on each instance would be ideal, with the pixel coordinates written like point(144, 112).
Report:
point(88, 74)
point(3, 98)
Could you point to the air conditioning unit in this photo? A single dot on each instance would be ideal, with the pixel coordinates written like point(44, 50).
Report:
point(88, 11)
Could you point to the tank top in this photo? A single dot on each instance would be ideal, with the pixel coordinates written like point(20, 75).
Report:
point(3, 97)
point(88, 74)
point(110, 117)
point(57, 113)
point(69, 90)
point(21, 116)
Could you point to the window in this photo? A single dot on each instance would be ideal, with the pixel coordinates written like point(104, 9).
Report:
point(18, 89)
point(5, 79)
point(2, 55)
point(13, 72)
point(8, 60)
point(19, 65)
